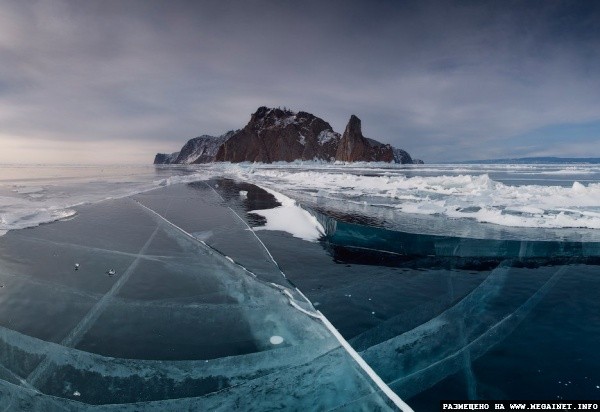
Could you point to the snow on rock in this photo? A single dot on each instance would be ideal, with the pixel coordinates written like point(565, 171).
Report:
point(327, 136)
point(202, 149)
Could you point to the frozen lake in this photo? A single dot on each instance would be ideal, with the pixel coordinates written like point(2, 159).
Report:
point(447, 281)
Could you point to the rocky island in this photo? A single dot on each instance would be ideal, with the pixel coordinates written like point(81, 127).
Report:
point(275, 134)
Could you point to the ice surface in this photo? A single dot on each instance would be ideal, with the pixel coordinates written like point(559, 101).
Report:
point(471, 335)
point(181, 324)
point(428, 311)
point(205, 312)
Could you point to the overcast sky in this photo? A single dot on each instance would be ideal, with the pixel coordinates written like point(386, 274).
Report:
point(117, 81)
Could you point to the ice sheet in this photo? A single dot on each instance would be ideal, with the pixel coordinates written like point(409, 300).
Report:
point(179, 324)
point(143, 342)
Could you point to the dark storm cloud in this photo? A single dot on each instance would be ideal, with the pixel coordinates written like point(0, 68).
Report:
point(445, 80)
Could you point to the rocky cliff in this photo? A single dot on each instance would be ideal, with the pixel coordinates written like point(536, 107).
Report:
point(202, 149)
point(281, 135)
point(355, 147)
point(402, 156)
point(274, 134)
point(165, 158)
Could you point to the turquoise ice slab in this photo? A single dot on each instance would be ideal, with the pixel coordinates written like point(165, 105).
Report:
point(180, 325)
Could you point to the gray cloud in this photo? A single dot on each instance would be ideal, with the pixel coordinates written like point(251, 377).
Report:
point(445, 80)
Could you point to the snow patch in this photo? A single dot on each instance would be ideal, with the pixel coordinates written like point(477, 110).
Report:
point(27, 218)
point(285, 121)
point(290, 218)
point(203, 148)
point(326, 136)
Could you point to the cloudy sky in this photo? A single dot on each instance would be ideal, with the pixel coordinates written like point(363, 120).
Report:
point(104, 81)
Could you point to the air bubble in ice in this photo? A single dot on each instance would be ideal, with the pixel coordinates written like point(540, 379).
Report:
point(276, 340)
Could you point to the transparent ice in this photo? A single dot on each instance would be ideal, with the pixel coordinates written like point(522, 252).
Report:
point(184, 323)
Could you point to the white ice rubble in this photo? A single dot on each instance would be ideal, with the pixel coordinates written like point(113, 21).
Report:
point(469, 196)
